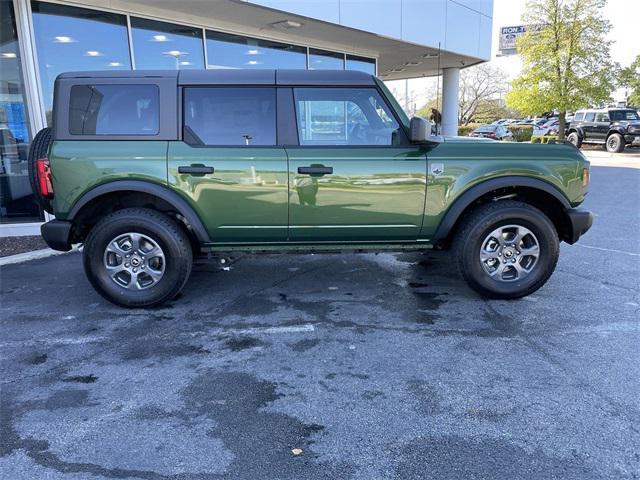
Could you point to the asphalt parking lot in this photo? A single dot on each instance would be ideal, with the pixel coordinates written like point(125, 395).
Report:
point(374, 366)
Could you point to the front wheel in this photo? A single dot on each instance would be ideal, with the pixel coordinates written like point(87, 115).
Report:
point(615, 143)
point(137, 257)
point(507, 249)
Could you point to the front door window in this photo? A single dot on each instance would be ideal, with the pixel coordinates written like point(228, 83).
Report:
point(344, 116)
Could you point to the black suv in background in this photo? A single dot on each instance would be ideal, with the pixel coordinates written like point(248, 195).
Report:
point(613, 127)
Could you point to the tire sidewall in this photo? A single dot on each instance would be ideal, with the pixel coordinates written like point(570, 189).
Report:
point(548, 243)
point(618, 145)
point(575, 139)
point(175, 262)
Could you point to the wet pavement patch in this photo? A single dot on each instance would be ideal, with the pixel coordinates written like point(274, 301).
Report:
point(304, 345)
point(80, 379)
point(260, 439)
point(236, 344)
point(72, 398)
point(37, 359)
point(455, 458)
point(160, 349)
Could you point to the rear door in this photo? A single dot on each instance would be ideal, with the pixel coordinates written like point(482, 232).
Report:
point(589, 126)
point(602, 123)
point(353, 176)
point(229, 164)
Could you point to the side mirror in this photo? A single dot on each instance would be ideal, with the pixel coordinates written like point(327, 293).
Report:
point(420, 130)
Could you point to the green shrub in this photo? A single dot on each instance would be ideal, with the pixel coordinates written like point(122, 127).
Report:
point(543, 138)
point(521, 133)
point(465, 130)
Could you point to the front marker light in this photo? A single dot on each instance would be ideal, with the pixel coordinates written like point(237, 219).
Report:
point(585, 177)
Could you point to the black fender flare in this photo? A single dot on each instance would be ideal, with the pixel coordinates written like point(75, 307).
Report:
point(618, 130)
point(470, 195)
point(578, 130)
point(155, 189)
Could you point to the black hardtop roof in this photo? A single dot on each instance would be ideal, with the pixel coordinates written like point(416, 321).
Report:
point(238, 76)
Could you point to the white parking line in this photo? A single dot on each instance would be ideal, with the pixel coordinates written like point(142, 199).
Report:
point(307, 327)
point(608, 250)
point(304, 328)
point(53, 341)
point(34, 255)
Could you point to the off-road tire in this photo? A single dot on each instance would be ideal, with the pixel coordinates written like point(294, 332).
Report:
point(473, 231)
point(39, 148)
point(615, 143)
point(164, 231)
point(575, 139)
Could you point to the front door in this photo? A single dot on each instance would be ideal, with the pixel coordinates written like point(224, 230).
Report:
point(353, 176)
point(228, 164)
point(602, 124)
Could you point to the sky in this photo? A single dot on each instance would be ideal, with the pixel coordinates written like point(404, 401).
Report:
point(624, 16)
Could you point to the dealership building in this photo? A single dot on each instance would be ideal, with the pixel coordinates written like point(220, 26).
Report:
point(395, 39)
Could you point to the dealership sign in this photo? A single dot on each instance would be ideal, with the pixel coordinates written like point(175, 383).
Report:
point(508, 38)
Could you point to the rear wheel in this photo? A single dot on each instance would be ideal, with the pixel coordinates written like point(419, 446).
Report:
point(506, 249)
point(38, 149)
point(137, 257)
point(575, 139)
point(615, 143)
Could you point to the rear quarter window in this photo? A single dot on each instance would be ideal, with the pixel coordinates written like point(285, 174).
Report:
point(114, 110)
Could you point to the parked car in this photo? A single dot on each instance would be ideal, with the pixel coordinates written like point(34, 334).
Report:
point(495, 132)
point(503, 121)
point(149, 169)
point(526, 121)
point(549, 128)
point(615, 128)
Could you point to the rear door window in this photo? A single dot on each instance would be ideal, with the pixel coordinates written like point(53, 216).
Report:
point(589, 116)
point(244, 116)
point(114, 110)
point(602, 117)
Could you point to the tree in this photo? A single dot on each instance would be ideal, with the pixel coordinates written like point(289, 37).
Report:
point(481, 89)
point(630, 79)
point(566, 61)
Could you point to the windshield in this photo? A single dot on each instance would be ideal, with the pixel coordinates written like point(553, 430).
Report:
point(623, 115)
point(487, 128)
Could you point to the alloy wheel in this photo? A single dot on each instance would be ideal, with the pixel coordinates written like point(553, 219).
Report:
point(509, 253)
point(134, 261)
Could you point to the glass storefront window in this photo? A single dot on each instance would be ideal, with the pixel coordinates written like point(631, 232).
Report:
point(367, 65)
point(72, 39)
point(160, 45)
point(17, 203)
point(322, 60)
point(235, 51)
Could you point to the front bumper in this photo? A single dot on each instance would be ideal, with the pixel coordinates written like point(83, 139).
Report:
point(632, 139)
point(580, 222)
point(57, 234)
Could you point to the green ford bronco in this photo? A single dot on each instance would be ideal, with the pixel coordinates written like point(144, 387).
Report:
point(149, 169)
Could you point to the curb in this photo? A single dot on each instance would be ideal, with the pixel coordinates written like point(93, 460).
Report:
point(35, 255)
